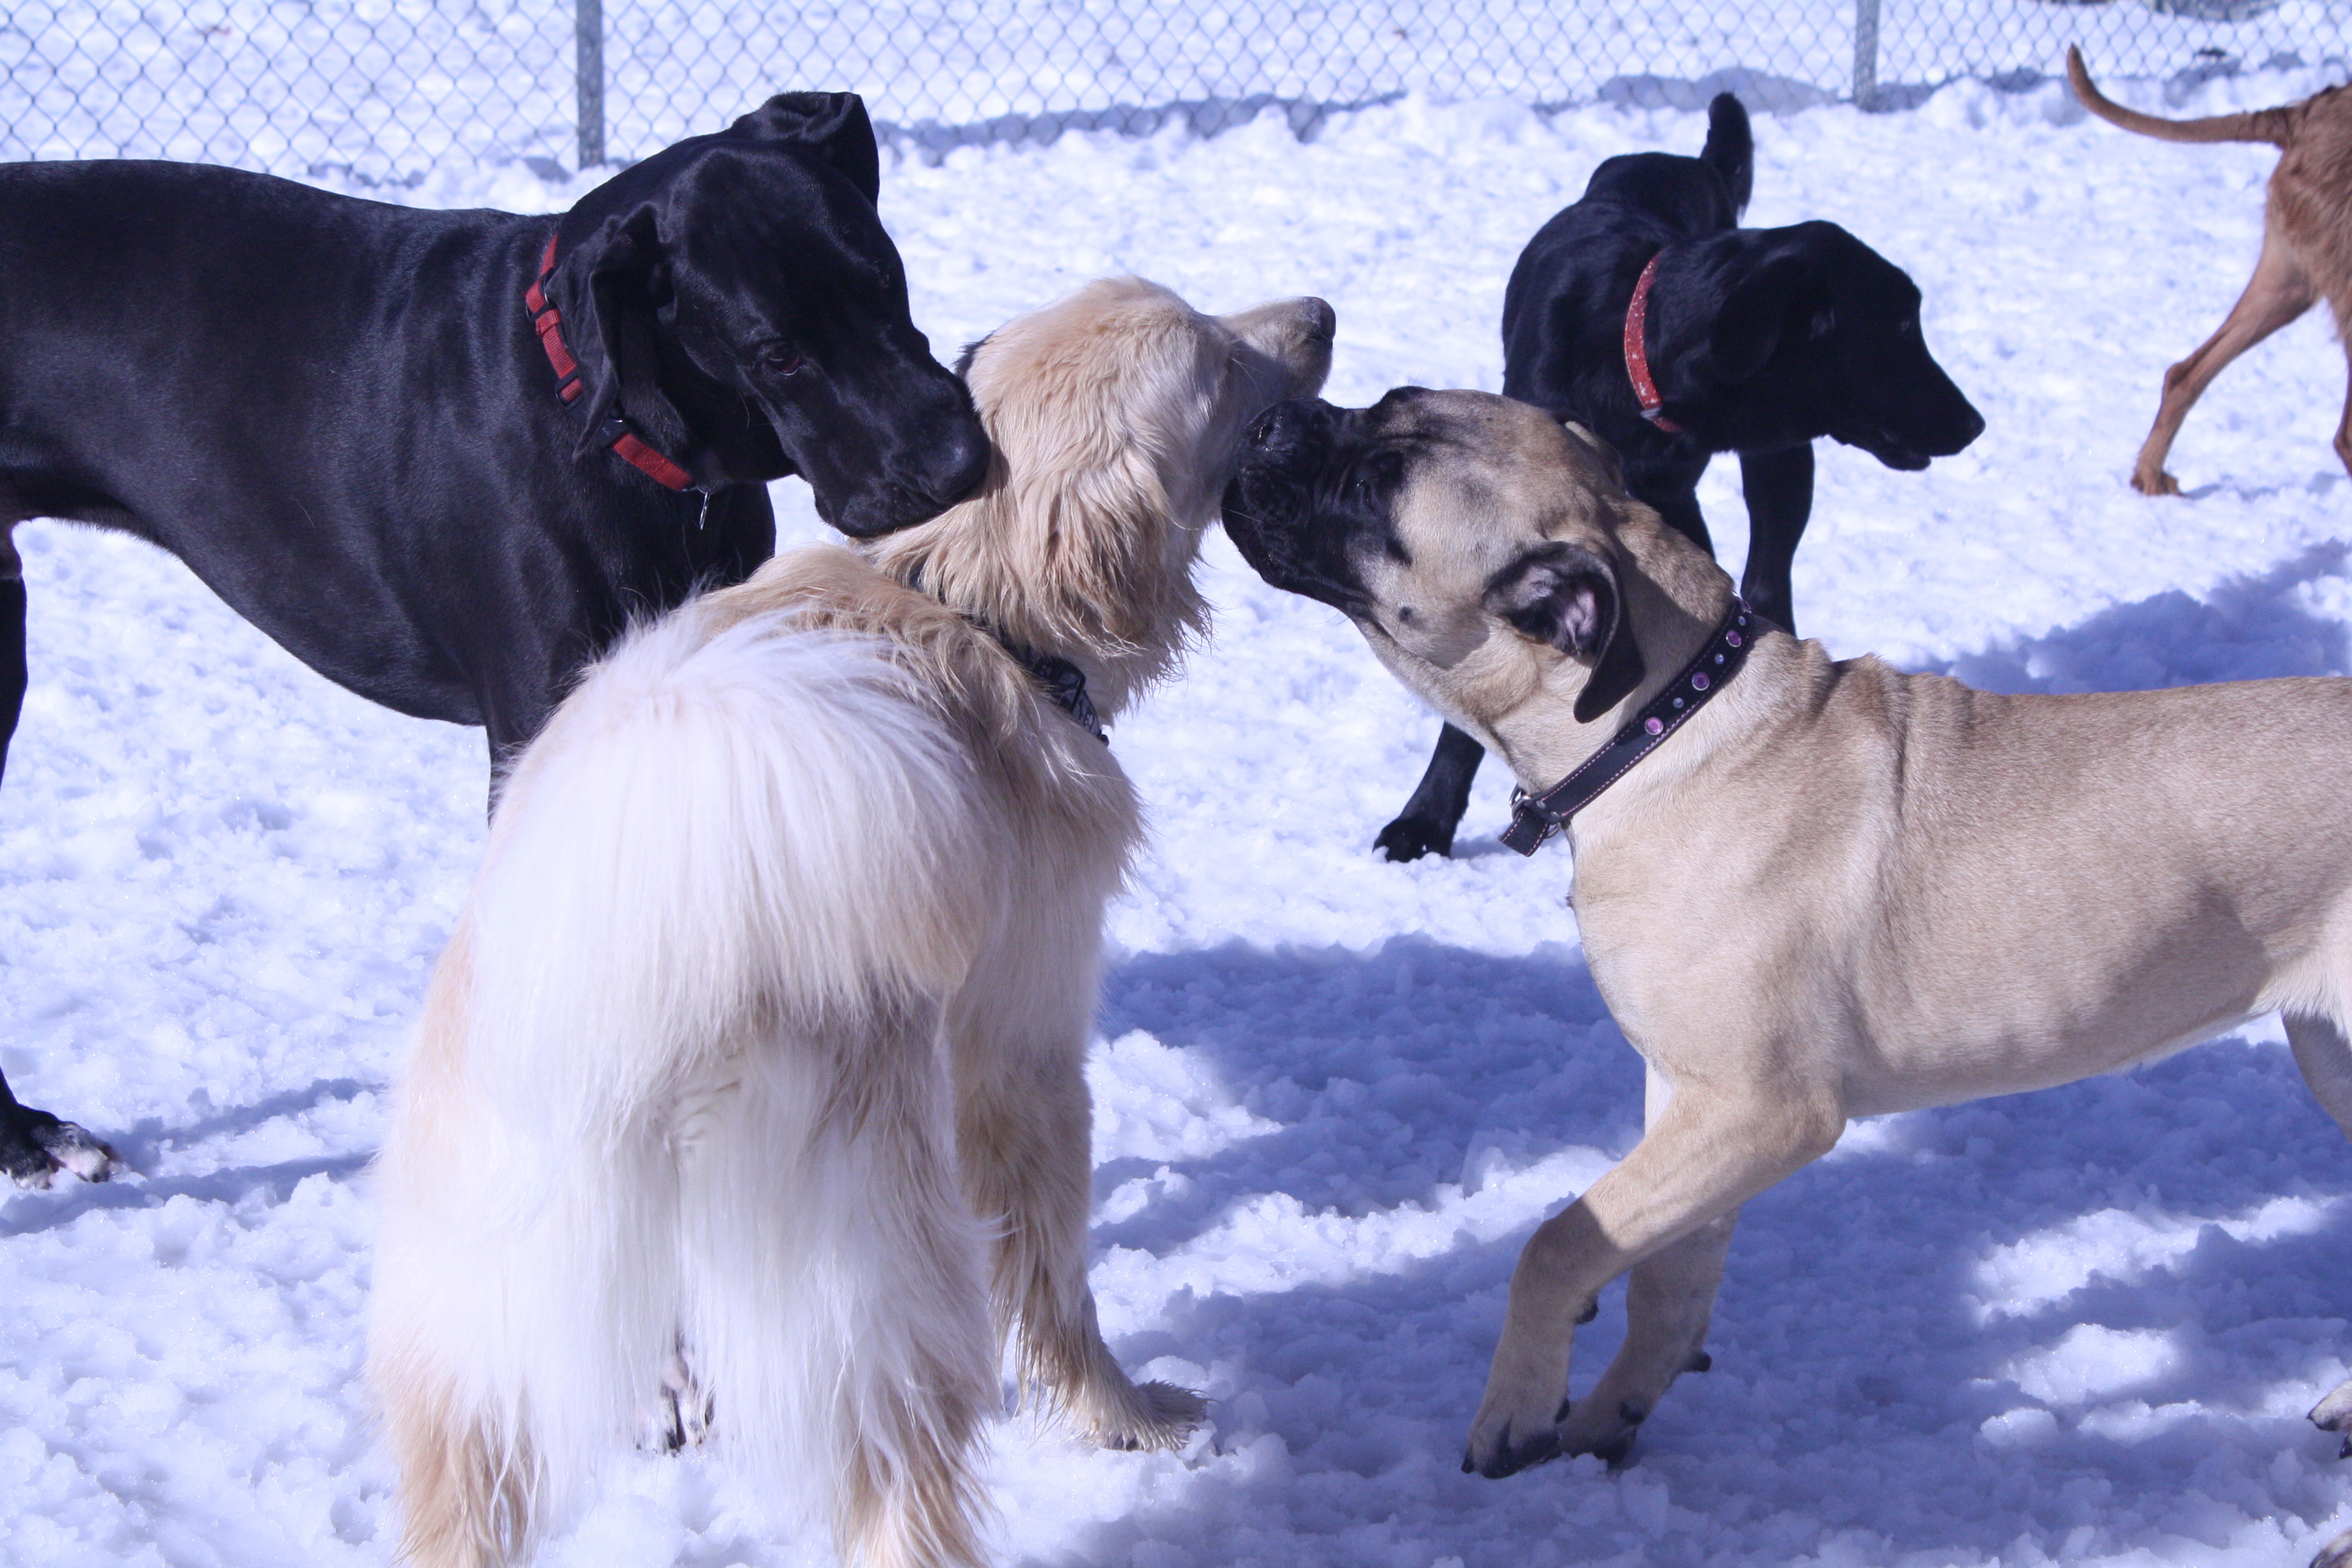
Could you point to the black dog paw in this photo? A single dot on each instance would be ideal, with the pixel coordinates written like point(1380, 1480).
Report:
point(1410, 837)
point(36, 1145)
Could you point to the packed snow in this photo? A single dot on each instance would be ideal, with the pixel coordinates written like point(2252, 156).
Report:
point(1333, 1094)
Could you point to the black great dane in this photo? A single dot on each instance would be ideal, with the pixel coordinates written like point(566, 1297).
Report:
point(443, 457)
point(1644, 315)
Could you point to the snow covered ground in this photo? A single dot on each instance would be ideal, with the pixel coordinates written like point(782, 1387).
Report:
point(1335, 1094)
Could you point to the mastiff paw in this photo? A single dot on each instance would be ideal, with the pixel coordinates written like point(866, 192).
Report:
point(37, 1145)
point(1503, 1446)
point(1607, 1434)
point(1409, 838)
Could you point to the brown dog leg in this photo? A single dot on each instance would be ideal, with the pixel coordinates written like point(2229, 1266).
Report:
point(2277, 293)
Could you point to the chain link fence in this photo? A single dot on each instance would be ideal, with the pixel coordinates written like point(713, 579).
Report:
point(380, 91)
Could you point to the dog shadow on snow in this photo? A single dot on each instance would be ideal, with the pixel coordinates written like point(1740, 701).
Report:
point(2074, 1318)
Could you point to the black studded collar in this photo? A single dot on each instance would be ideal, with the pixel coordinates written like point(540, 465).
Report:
point(1537, 817)
point(1064, 682)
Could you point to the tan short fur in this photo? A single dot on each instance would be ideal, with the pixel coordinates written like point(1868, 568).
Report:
point(1840, 890)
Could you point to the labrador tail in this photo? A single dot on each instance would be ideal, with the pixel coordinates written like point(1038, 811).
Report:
point(680, 1087)
point(2275, 126)
point(1730, 148)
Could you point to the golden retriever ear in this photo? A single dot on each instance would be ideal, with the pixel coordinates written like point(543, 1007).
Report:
point(1566, 596)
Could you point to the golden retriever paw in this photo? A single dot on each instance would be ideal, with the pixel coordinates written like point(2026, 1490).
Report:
point(1153, 1416)
point(2334, 1414)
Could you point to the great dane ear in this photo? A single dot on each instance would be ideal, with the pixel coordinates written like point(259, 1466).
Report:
point(1566, 596)
point(831, 125)
point(627, 281)
point(1758, 313)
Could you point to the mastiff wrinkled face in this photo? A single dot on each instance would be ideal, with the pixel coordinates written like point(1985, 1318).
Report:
point(1470, 538)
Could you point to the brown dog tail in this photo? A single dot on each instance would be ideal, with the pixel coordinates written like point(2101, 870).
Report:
point(2274, 126)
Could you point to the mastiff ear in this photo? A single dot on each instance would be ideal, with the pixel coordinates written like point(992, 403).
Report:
point(1755, 316)
point(827, 125)
point(1601, 451)
point(1566, 596)
point(620, 277)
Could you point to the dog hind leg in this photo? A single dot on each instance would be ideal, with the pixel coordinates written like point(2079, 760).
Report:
point(2278, 291)
point(832, 1273)
point(2325, 1055)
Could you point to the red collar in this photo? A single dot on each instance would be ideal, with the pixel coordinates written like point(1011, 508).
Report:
point(1637, 351)
point(616, 432)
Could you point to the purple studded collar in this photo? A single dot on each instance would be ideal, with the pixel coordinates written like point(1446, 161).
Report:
point(1537, 817)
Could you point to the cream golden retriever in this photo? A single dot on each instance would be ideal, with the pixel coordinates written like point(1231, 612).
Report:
point(759, 1041)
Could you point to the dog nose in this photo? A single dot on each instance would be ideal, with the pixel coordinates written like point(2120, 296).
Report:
point(1321, 320)
point(958, 463)
point(1277, 426)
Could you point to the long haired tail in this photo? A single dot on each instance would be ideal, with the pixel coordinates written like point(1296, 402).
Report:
point(1730, 148)
point(681, 1085)
point(2275, 126)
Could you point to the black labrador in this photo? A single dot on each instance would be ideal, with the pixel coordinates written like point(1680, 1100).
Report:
point(443, 457)
point(1644, 315)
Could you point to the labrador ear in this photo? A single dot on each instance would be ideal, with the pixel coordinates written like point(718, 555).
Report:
point(1566, 596)
point(829, 125)
point(619, 277)
point(1755, 316)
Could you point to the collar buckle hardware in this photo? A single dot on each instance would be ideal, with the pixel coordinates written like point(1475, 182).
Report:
point(1537, 817)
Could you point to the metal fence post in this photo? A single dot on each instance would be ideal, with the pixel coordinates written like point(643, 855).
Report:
point(588, 33)
point(1866, 55)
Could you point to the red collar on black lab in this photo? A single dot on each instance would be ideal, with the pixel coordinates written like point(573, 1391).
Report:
point(632, 447)
point(1637, 351)
point(1537, 817)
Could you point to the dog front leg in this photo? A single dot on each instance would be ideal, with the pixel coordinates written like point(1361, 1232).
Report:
point(1705, 1155)
point(1024, 1138)
point(1025, 1142)
point(1670, 1298)
point(34, 1144)
point(1779, 486)
point(1426, 824)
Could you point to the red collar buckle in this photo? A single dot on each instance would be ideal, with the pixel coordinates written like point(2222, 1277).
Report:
point(616, 433)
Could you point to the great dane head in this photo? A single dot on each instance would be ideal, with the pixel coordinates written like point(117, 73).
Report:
point(1809, 318)
point(1473, 540)
point(735, 298)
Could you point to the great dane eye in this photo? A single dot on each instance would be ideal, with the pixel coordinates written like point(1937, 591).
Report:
point(783, 358)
